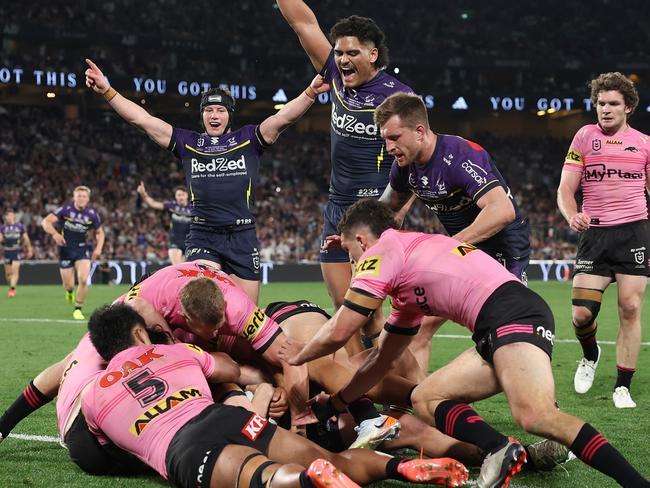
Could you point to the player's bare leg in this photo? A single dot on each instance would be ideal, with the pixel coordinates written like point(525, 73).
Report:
point(176, 256)
point(67, 279)
point(251, 287)
point(628, 342)
point(14, 274)
point(420, 347)
point(82, 268)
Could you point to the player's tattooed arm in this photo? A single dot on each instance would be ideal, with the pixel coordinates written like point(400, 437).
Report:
point(157, 129)
point(273, 126)
point(399, 202)
point(305, 24)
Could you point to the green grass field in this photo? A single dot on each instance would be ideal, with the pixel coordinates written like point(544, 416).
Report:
point(37, 330)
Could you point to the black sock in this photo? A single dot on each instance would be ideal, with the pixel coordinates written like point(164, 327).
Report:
point(460, 421)
point(391, 469)
point(12, 287)
point(305, 482)
point(363, 409)
point(624, 377)
point(78, 307)
point(587, 337)
point(29, 400)
point(593, 449)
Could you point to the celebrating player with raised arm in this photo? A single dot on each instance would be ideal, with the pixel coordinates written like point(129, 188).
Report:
point(459, 181)
point(13, 238)
point(221, 170)
point(610, 162)
point(180, 212)
point(75, 220)
point(512, 326)
point(354, 68)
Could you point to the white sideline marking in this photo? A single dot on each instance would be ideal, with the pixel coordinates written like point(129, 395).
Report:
point(39, 438)
point(443, 336)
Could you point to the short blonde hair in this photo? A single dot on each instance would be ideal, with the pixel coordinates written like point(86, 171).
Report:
point(202, 300)
point(82, 188)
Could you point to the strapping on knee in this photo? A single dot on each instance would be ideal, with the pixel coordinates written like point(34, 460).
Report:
point(589, 298)
point(253, 472)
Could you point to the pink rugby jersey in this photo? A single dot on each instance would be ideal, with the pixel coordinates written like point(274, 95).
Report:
point(428, 274)
point(146, 395)
point(82, 367)
point(614, 173)
point(243, 317)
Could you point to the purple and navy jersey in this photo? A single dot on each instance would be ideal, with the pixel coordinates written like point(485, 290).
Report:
point(458, 174)
point(181, 218)
point(12, 234)
point(75, 224)
point(360, 165)
point(221, 174)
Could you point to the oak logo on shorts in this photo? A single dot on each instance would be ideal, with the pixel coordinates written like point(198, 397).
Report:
point(254, 426)
point(464, 249)
point(162, 407)
point(254, 325)
point(368, 267)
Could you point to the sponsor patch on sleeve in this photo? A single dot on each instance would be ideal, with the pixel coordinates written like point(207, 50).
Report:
point(464, 249)
point(254, 325)
point(368, 267)
point(133, 292)
point(194, 348)
point(573, 157)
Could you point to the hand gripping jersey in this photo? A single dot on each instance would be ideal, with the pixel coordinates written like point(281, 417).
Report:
point(427, 274)
point(458, 174)
point(82, 367)
point(221, 174)
point(146, 395)
point(12, 234)
point(181, 218)
point(242, 317)
point(360, 165)
point(614, 171)
point(75, 224)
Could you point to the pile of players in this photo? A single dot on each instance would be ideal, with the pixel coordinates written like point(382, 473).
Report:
point(139, 383)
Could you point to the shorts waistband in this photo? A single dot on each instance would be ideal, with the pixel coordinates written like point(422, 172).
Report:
point(223, 229)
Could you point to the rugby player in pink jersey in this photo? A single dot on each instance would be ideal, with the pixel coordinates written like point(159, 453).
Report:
point(154, 402)
point(610, 162)
point(511, 325)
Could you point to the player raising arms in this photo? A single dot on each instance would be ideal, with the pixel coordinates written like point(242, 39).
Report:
point(354, 68)
point(610, 161)
point(74, 221)
point(13, 237)
point(221, 170)
point(180, 211)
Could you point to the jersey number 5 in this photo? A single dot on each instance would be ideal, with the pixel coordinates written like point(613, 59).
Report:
point(145, 387)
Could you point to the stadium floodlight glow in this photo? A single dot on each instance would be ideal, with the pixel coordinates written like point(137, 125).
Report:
point(464, 16)
point(50, 95)
point(143, 101)
point(187, 104)
point(541, 113)
point(647, 109)
point(278, 106)
point(551, 110)
point(278, 189)
point(396, 70)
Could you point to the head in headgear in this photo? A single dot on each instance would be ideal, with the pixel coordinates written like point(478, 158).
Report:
point(217, 110)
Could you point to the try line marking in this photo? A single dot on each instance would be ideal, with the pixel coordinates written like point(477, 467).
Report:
point(441, 336)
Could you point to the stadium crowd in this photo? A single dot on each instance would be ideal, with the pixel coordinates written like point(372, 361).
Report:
point(59, 35)
point(43, 157)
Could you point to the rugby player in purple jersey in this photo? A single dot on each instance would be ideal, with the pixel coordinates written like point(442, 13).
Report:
point(180, 212)
point(459, 181)
point(221, 171)
point(354, 68)
point(69, 226)
point(14, 238)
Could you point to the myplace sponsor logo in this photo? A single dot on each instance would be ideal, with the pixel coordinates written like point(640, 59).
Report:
point(474, 171)
point(349, 123)
point(598, 172)
point(219, 165)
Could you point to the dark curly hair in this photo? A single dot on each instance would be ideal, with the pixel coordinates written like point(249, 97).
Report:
point(368, 211)
point(110, 329)
point(366, 30)
point(615, 81)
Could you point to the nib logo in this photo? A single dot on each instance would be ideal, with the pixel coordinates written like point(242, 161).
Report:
point(460, 104)
point(280, 96)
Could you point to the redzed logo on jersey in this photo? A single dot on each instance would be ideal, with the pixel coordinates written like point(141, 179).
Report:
point(254, 426)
